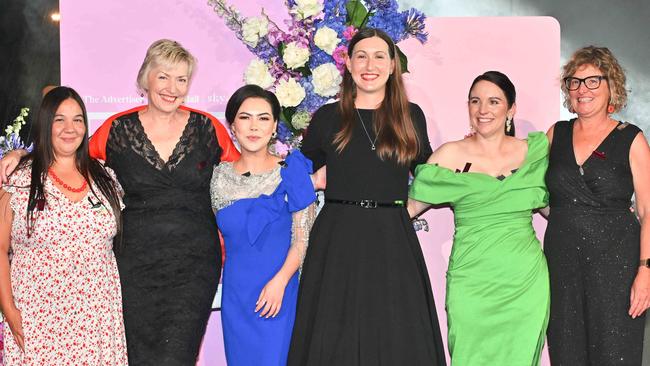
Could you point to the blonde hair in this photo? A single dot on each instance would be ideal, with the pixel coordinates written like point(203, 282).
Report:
point(603, 59)
point(164, 52)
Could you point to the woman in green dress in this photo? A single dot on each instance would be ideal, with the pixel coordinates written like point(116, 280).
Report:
point(497, 281)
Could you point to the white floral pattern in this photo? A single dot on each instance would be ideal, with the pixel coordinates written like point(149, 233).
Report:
point(65, 280)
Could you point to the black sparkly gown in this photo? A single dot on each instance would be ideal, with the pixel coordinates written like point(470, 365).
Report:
point(592, 248)
point(365, 296)
point(169, 260)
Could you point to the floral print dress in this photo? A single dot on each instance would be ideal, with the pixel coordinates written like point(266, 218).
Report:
point(64, 279)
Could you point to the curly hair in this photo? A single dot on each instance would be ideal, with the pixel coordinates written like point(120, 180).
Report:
point(606, 62)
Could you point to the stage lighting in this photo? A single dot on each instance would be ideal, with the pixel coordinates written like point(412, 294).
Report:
point(55, 17)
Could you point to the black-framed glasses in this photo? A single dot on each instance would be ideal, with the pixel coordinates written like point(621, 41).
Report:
point(591, 82)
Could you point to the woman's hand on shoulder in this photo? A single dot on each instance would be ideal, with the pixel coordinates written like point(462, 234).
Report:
point(9, 163)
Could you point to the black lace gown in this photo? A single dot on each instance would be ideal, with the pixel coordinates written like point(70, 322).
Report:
point(365, 296)
point(592, 248)
point(169, 260)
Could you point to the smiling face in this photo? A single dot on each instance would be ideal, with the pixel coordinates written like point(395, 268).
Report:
point(253, 126)
point(488, 108)
point(587, 102)
point(370, 65)
point(168, 86)
point(68, 128)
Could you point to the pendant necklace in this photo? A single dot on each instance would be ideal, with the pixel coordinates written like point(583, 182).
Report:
point(372, 142)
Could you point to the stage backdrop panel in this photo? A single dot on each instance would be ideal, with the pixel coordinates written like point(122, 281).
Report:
point(103, 45)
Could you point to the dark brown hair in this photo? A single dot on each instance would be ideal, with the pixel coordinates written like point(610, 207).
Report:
point(396, 137)
point(42, 157)
point(507, 87)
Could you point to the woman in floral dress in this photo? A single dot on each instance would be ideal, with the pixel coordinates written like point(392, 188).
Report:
point(59, 286)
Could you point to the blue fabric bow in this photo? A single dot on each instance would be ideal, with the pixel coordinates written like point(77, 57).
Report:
point(294, 193)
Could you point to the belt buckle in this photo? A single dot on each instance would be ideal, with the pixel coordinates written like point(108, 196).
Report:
point(368, 204)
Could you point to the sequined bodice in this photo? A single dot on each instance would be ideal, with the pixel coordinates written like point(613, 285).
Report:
point(604, 181)
point(228, 186)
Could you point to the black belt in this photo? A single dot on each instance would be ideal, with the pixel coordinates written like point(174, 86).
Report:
point(367, 203)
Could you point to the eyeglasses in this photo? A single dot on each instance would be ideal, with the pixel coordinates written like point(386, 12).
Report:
point(591, 82)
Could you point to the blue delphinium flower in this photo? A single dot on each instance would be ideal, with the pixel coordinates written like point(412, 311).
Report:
point(394, 24)
point(415, 24)
point(319, 57)
point(312, 100)
point(283, 131)
point(387, 6)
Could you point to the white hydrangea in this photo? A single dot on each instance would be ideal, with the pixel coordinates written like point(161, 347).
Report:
point(254, 28)
point(258, 73)
point(300, 120)
point(295, 55)
point(307, 8)
point(289, 92)
point(326, 39)
point(326, 79)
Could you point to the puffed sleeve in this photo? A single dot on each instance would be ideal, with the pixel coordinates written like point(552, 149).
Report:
point(313, 143)
point(420, 123)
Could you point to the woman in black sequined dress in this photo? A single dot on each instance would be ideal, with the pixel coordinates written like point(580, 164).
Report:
point(597, 249)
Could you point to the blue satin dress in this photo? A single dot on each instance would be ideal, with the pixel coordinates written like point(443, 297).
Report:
point(257, 235)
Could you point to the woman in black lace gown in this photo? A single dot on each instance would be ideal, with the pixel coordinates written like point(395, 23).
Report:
point(598, 253)
point(169, 261)
point(365, 296)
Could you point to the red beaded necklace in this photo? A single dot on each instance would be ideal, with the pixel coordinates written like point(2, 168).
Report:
point(58, 180)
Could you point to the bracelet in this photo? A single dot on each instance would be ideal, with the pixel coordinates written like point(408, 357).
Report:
point(644, 263)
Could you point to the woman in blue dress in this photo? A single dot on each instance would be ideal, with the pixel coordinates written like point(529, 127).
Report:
point(264, 209)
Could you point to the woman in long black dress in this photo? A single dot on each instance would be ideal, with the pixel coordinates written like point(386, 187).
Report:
point(169, 260)
point(598, 253)
point(365, 296)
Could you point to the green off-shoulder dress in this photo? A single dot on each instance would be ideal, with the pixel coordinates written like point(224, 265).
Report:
point(497, 280)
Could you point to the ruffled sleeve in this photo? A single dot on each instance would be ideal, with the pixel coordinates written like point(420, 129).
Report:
point(435, 185)
point(18, 185)
point(296, 181)
point(536, 165)
point(294, 193)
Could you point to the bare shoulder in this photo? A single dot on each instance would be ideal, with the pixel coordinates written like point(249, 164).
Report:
point(447, 153)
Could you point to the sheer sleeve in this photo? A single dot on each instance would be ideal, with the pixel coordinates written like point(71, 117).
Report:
point(303, 220)
point(420, 123)
point(99, 139)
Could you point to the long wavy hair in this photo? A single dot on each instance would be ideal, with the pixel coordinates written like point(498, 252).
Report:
point(42, 158)
point(396, 135)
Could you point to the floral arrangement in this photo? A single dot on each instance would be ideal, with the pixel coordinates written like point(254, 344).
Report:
point(12, 140)
point(303, 65)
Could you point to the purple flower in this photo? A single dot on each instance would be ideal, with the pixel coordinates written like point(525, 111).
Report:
point(415, 24)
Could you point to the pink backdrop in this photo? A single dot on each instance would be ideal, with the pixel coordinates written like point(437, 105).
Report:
point(103, 44)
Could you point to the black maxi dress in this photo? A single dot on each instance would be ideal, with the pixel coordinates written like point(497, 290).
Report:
point(365, 296)
point(169, 259)
point(592, 248)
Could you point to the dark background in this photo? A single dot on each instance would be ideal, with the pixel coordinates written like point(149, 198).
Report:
point(29, 55)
